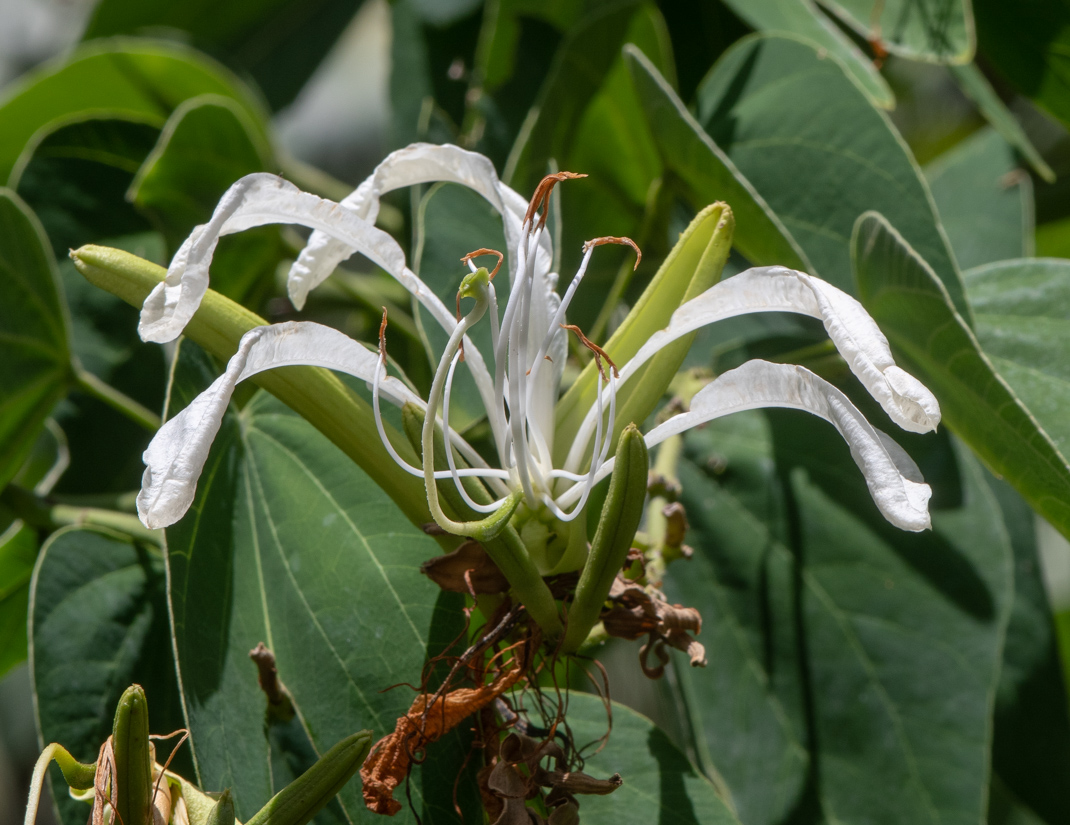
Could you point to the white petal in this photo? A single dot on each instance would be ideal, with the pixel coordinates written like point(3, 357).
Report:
point(176, 455)
point(256, 200)
point(893, 479)
point(778, 289)
point(415, 164)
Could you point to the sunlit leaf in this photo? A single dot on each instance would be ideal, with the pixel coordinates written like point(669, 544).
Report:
point(936, 30)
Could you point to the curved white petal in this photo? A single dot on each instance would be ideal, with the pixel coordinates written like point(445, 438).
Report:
point(894, 481)
point(260, 199)
point(176, 455)
point(415, 164)
point(779, 289)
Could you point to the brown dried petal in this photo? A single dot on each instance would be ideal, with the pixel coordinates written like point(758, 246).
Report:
point(567, 814)
point(448, 571)
point(428, 718)
point(577, 782)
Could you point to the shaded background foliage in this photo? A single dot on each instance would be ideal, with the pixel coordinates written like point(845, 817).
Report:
point(913, 152)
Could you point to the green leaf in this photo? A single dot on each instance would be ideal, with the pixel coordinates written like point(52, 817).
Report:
point(1023, 325)
point(18, 552)
point(99, 623)
point(834, 632)
point(134, 79)
point(277, 42)
point(1031, 751)
point(1027, 44)
point(747, 708)
point(208, 143)
point(579, 69)
point(936, 30)
point(660, 785)
point(985, 201)
point(936, 345)
point(35, 371)
point(707, 173)
point(74, 174)
point(820, 155)
point(802, 18)
point(977, 88)
point(289, 544)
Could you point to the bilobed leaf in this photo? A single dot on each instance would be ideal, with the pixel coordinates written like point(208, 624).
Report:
point(936, 345)
point(895, 624)
point(838, 635)
point(820, 155)
point(1023, 325)
point(707, 173)
point(660, 785)
point(976, 87)
point(288, 543)
point(137, 79)
point(984, 199)
point(98, 614)
point(1027, 43)
point(35, 370)
point(936, 30)
point(278, 42)
point(802, 17)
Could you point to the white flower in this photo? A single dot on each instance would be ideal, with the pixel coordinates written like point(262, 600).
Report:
point(520, 387)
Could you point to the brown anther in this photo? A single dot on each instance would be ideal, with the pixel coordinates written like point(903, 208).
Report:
point(599, 353)
point(542, 194)
point(484, 251)
point(382, 337)
point(588, 245)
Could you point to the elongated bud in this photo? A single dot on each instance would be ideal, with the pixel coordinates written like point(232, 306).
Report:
point(613, 538)
point(223, 811)
point(133, 758)
point(303, 798)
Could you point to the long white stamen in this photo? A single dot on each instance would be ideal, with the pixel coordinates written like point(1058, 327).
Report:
point(454, 472)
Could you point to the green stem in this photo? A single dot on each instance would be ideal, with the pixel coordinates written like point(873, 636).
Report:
point(665, 465)
point(117, 400)
point(43, 514)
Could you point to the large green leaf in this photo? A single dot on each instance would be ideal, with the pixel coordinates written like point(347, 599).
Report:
point(706, 172)
point(829, 626)
point(278, 42)
point(1028, 43)
point(985, 201)
point(1023, 324)
point(819, 154)
point(35, 371)
point(937, 30)
point(1031, 751)
point(98, 623)
point(660, 785)
point(803, 18)
point(913, 309)
point(288, 543)
point(136, 79)
point(746, 707)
